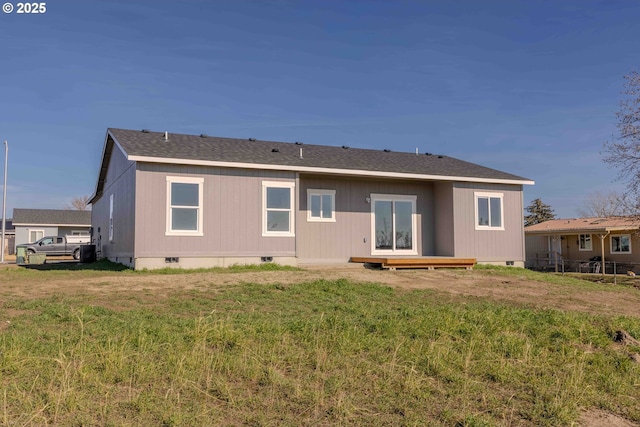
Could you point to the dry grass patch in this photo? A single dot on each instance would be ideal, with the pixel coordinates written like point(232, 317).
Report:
point(325, 352)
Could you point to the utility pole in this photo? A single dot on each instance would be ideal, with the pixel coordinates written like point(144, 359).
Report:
point(4, 200)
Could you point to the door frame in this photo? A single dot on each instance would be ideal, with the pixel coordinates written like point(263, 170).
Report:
point(414, 222)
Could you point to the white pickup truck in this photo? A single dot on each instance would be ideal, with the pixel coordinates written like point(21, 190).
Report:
point(56, 245)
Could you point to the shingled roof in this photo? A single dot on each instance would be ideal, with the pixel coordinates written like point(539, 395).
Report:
point(51, 217)
point(8, 225)
point(584, 225)
point(147, 146)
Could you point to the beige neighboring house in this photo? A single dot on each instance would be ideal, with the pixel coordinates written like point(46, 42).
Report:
point(588, 245)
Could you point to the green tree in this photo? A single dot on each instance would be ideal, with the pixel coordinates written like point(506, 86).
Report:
point(538, 212)
point(622, 152)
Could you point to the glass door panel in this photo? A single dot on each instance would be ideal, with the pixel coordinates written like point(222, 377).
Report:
point(384, 225)
point(403, 225)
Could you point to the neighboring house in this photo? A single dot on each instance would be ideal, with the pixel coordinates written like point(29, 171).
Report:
point(34, 224)
point(584, 244)
point(9, 236)
point(189, 201)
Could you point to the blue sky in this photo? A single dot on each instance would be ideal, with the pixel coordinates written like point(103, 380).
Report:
point(528, 87)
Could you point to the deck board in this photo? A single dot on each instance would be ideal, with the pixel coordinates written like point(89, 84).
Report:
point(418, 262)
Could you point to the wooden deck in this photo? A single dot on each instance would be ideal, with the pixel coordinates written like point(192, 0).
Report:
point(418, 262)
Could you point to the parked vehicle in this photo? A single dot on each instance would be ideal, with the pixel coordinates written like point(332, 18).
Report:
point(57, 245)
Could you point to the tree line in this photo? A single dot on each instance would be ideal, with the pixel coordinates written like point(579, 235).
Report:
point(622, 153)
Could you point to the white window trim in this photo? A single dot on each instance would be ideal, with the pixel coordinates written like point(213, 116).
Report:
point(292, 211)
point(317, 192)
point(611, 252)
point(111, 218)
point(29, 230)
point(80, 233)
point(482, 195)
point(590, 248)
point(185, 180)
point(414, 222)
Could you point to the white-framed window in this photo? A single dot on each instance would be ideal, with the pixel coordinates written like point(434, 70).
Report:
point(111, 218)
point(184, 206)
point(79, 233)
point(621, 244)
point(321, 205)
point(35, 235)
point(584, 242)
point(277, 208)
point(489, 211)
point(393, 224)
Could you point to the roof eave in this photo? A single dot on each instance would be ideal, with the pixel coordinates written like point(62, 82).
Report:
point(330, 171)
point(107, 151)
point(582, 230)
point(25, 224)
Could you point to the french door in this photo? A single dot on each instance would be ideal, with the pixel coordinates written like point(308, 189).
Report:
point(393, 224)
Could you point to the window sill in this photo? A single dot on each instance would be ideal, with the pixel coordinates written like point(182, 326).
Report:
point(478, 228)
point(183, 234)
point(278, 235)
point(392, 252)
point(321, 220)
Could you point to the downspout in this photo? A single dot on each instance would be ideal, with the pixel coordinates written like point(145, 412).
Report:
point(295, 214)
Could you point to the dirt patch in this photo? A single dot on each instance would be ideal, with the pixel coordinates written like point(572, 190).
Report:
point(475, 283)
point(597, 418)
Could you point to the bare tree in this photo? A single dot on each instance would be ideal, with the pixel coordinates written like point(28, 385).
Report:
point(599, 204)
point(79, 204)
point(623, 151)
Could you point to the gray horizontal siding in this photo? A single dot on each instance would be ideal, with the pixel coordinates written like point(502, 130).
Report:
point(350, 234)
point(488, 245)
point(120, 181)
point(232, 213)
point(443, 219)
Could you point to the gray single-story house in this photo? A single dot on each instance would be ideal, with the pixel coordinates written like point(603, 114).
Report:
point(33, 224)
point(193, 200)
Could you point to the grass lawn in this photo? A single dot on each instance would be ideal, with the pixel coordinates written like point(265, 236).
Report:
point(316, 353)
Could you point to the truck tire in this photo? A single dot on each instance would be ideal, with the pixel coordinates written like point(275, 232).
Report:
point(30, 252)
point(76, 254)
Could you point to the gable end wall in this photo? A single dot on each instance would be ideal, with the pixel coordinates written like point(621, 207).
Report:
point(119, 181)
